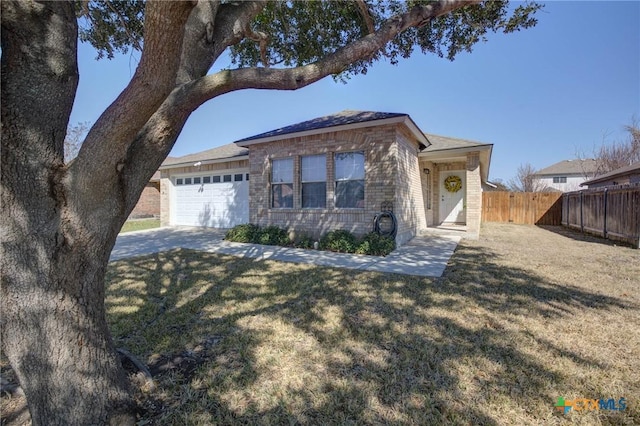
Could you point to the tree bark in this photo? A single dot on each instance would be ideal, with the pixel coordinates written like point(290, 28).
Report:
point(59, 222)
point(54, 330)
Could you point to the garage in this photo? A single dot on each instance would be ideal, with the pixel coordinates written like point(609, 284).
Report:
point(219, 200)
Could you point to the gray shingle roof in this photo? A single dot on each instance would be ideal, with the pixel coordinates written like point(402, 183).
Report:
point(439, 143)
point(340, 119)
point(635, 167)
point(570, 167)
point(228, 151)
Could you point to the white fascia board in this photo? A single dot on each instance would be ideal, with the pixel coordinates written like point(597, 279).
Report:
point(454, 152)
point(203, 162)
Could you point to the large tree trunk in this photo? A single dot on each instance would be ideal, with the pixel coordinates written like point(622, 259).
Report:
point(59, 221)
point(54, 329)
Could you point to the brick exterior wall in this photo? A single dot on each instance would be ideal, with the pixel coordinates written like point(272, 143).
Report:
point(408, 204)
point(474, 194)
point(149, 203)
point(387, 157)
point(167, 188)
point(427, 185)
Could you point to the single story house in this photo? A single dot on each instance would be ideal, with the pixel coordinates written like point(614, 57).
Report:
point(622, 176)
point(567, 175)
point(332, 172)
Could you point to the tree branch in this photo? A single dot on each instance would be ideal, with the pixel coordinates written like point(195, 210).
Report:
point(123, 23)
point(95, 171)
point(364, 11)
point(157, 137)
point(210, 30)
point(210, 86)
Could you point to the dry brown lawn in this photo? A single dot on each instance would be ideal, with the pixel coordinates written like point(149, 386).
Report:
point(521, 317)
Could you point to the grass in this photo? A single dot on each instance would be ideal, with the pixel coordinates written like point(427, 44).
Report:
point(140, 225)
point(521, 317)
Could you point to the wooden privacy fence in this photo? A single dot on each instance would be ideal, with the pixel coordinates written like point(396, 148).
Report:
point(612, 212)
point(531, 208)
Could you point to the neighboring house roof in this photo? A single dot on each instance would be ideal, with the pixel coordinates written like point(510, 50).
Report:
point(343, 120)
point(622, 171)
point(226, 152)
point(570, 167)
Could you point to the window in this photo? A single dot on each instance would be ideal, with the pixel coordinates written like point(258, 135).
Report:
point(226, 178)
point(187, 181)
point(349, 170)
point(559, 179)
point(237, 178)
point(196, 180)
point(247, 177)
point(179, 181)
point(216, 179)
point(282, 183)
point(206, 179)
point(314, 181)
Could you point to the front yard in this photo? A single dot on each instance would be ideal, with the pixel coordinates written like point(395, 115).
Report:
point(140, 225)
point(521, 317)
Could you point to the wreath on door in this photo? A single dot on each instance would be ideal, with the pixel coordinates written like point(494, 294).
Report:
point(453, 183)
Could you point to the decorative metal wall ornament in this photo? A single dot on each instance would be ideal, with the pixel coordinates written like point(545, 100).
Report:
point(453, 183)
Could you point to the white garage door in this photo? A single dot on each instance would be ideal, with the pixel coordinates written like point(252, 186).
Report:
point(215, 200)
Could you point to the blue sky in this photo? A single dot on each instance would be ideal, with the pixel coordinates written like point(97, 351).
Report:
point(539, 95)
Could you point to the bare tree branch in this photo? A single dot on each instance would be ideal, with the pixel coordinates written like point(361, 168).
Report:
point(526, 181)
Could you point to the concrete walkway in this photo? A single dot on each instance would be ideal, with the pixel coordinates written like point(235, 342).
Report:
point(425, 255)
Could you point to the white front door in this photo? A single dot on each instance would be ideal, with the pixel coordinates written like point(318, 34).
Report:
point(452, 204)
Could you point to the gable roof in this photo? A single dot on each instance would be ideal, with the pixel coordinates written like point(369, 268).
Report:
point(622, 171)
point(344, 120)
point(226, 152)
point(570, 167)
point(439, 143)
point(444, 149)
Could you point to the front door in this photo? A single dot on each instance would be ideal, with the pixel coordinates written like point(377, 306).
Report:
point(452, 197)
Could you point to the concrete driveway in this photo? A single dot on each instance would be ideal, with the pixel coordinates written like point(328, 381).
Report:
point(423, 256)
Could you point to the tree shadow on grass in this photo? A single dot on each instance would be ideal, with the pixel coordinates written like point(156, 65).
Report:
point(576, 235)
point(311, 345)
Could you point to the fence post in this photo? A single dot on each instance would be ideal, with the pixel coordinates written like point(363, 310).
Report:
point(581, 204)
point(604, 226)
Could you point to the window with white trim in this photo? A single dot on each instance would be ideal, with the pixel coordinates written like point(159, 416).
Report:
point(282, 183)
point(559, 179)
point(349, 180)
point(313, 174)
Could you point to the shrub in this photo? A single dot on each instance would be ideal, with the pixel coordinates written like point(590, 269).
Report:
point(273, 236)
point(376, 245)
point(340, 241)
point(304, 241)
point(246, 233)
